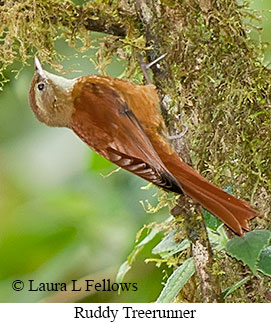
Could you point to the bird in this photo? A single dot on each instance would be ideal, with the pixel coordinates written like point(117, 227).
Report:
point(122, 122)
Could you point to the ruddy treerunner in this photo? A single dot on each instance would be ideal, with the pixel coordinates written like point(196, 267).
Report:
point(121, 121)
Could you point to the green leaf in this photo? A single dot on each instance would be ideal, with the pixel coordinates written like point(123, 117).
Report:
point(219, 238)
point(226, 292)
point(176, 281)
point(149, 237)
point(264, 264)
point(211, 221)
point(249, 247)
point(123, 270)
point(168, 246)
point(127, 265)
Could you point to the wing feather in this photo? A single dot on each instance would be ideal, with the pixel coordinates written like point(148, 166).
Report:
point(106, 123)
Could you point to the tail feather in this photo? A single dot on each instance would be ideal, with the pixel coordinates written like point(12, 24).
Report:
point(232, 211)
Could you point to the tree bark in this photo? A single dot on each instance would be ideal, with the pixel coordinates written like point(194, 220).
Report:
point(148, 12)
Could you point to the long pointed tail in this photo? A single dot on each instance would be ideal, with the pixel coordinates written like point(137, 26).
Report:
point(232, 211)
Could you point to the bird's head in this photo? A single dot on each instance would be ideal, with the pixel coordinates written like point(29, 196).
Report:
point(50, 97)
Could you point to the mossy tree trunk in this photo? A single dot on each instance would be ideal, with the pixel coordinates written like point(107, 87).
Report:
point(213, 87)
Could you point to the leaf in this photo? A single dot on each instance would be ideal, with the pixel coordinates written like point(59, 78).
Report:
point(123, 270)
point(126, 266)
point(226, 292)
point(264, 264)
point(149, 237)
point(219, 238)
point(249, 247)
point(168, 246)
point(211, 221)
point(176, 281)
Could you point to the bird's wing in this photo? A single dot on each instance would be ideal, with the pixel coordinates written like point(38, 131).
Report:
point(108, 125)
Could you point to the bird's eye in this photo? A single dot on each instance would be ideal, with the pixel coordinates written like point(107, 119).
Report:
point(41, 86)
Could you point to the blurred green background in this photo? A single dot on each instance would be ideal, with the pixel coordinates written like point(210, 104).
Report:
point(59, 218)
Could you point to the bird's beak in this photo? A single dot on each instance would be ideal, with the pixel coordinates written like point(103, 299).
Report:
point(38, 68)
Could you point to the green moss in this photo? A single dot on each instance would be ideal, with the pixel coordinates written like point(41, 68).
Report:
point(32, 27)
point(29, 25)
point(222, 95)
